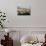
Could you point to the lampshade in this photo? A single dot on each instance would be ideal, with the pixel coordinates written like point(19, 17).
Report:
point(7, 30)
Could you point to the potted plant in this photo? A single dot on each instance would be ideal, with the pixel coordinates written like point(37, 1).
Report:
point(2, 19)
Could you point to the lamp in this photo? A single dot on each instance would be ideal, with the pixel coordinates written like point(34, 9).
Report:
point(7, 31)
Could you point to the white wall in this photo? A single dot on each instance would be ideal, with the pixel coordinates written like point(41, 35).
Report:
point(38, 13)
point(37, 18)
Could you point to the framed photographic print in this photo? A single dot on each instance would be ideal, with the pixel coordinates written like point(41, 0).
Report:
point(23, 10)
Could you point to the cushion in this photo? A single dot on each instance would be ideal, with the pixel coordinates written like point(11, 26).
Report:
point(26, 39)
